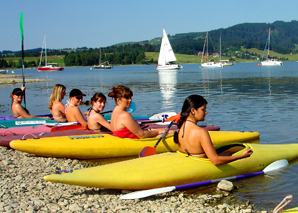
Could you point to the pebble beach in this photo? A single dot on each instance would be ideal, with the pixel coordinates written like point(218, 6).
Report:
point(24, 190)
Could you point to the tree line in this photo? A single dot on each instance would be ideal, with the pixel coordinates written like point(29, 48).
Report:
point(249, 35)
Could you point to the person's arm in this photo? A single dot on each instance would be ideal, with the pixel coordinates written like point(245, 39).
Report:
point(100, 119)
point(210, 151)
point(22, 112)
point(79, 117)
point(127, 120)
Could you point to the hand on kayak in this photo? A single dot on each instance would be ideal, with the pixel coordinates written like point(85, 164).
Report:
point(247, 153)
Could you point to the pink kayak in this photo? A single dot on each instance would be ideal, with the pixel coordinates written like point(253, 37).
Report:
point(5, 139)
point(37, 129)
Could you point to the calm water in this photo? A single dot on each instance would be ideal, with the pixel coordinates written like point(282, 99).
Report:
point(264, 99)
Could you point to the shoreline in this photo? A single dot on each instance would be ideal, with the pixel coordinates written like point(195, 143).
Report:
point(14, 79)
point(23, 189)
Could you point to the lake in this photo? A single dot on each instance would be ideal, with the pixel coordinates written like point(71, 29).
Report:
point(265, 99)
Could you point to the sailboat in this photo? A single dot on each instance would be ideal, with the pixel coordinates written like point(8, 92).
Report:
point(223, 62)
point(208, 64)
point(104, 65)
point(48, 66)
point(270, 61)
point(166, 55)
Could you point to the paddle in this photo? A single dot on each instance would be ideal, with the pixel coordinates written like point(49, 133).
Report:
point(22, 38)
point(132, 107)
point(276, 165)
point(147, 151)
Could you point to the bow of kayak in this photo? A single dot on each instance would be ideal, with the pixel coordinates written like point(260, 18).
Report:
point(170, 169)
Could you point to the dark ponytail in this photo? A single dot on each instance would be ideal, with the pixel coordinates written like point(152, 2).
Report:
point(192, 101)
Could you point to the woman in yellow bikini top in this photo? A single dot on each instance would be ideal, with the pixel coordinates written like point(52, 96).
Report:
point(194, 140)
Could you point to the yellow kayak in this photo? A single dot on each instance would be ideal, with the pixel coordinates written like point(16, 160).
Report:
point(106, 145)
point(171, 169)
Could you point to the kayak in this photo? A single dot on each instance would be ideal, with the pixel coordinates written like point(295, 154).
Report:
point(291, 210)
point(5, 139)
point(38, 129)
point(172, 169)
point(106, 145)
point(25, 122)
point(71, 130)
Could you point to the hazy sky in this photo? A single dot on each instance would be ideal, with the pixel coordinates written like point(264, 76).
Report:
point(78, 23)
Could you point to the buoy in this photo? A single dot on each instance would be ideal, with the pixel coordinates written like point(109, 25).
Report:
point(259, 64)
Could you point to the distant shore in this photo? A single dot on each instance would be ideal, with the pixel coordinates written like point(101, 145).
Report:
point(14, 79)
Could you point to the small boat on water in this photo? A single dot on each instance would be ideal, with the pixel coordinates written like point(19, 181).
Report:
point(48, 66)
point(166, 55)
point(102, 66)
point(108, 146)
point(3, 71)
point(270, 61)
point(175, 168)
point(208, 64)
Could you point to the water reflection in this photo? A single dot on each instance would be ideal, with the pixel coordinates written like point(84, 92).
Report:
point(168, 87)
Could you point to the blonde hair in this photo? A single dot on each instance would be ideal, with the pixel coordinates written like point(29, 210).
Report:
point(56, 94)
point(119, 92)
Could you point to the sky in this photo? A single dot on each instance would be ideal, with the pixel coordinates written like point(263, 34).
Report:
point(90, 23)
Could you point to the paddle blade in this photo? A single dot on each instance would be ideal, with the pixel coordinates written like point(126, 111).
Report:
point(132, 107)
point(175, 118)
point(276, 165)
point(147, 151)
point(147, 193)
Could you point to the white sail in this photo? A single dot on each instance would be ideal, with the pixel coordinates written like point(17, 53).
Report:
point(166, 52)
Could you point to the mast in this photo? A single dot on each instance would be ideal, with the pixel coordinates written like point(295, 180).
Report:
point(220, 48)
point(45, 49)
point(99, 55)
point(207, 46)
point(268, 43)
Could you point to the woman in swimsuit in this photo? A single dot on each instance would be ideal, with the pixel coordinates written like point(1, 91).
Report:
point(17, 109)
point(194, 140)
point(56, 107)
point(95, 120)
point(122, 123)
point(72, 111)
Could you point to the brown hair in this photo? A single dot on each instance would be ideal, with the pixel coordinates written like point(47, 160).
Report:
point(98, 96)
point(56, 94)
point(119, 92)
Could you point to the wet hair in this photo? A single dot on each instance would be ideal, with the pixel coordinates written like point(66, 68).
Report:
point(119, 92)
point(56, 94)
point(192, 101)
point(98, 96)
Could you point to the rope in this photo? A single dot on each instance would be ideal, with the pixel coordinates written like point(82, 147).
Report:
point(9, 131)
point(35, 137)
point(282, 204)
point(245, 127)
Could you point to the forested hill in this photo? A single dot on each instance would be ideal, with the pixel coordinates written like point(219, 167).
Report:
point(284, 37)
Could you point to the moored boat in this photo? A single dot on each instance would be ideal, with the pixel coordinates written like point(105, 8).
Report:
point(48, 66)
point(106, 145)
point(171, 169)
point(270, 61)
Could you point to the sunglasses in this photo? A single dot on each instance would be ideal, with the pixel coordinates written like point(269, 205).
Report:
point(79, 97)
